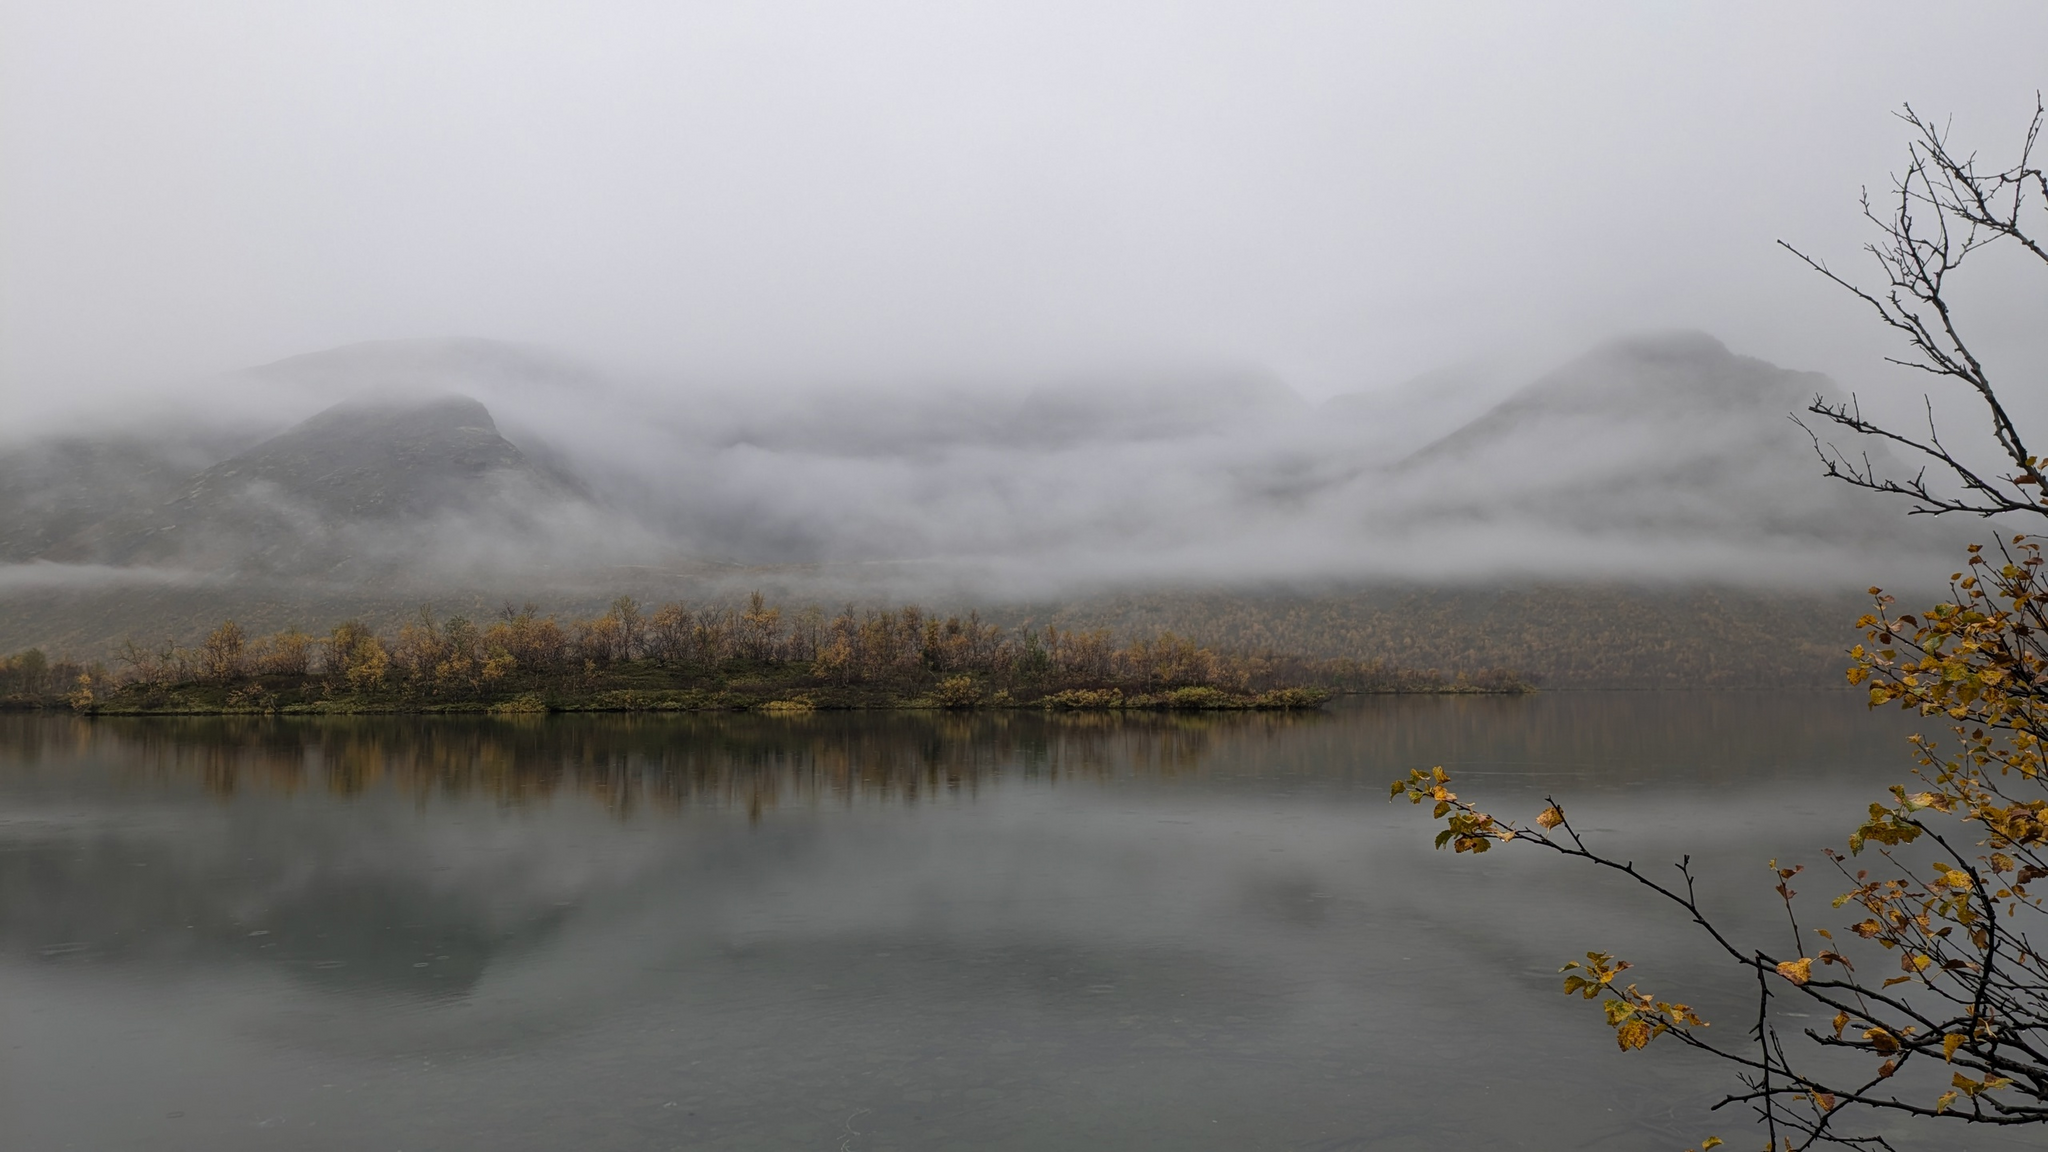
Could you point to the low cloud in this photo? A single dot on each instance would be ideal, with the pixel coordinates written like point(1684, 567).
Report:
point(1663, 457)
point(45, 576)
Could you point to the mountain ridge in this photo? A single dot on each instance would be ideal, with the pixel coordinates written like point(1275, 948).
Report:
point(303, 499)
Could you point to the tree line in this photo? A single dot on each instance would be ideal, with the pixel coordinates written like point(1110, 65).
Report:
point(908, 648)
point(32, 673)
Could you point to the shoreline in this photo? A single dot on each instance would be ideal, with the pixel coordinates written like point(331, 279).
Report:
point(761, 699)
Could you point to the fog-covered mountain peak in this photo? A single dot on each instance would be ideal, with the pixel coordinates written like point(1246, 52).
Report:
point(1664, 370)
point(380, 458)
point(362, 487)
point(396, 416)
point(1662, 393)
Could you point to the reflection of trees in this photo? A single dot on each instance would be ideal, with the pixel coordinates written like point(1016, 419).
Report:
point(666, 762)
point(694, 761)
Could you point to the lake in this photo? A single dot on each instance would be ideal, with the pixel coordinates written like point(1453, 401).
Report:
point(866, 932)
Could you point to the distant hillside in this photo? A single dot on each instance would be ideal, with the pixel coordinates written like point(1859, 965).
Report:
point(55, 490)
point(330, 496)
point(378, 461)
point(1661, 436)
point(1569, 636)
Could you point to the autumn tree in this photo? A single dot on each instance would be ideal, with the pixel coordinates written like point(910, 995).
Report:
point(631, 627)
point(26, 672)
point(462, 658)
point(601, 640)
point(288, 653)
point(221, 653)
point(528, 639)
point(668, 633)
point(1934, 994)
point(418, 648)
point(760, 628)
point(805, 634)
point(356, 655)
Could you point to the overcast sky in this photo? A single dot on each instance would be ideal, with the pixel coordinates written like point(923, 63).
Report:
point(1341, 195)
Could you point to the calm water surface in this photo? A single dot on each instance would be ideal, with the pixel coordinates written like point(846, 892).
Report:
point(870, 932)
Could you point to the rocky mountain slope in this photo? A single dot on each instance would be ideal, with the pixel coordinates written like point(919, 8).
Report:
point(54, 490)
point(335, 495)
point(1668, 440)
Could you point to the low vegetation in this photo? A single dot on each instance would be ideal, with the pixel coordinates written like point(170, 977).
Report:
point(673, 658)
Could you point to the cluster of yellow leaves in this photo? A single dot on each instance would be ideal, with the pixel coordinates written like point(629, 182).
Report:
point(1977, 662)
point(1466, 829)
point(1964, 1086)
point(1636, 1017)
point(1981, 664)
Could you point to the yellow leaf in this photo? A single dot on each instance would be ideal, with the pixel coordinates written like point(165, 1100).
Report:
point(1797, 971)
point(1550, 817)
point(1946, 1099)
point(1634, 1034)
point(1949, 1044)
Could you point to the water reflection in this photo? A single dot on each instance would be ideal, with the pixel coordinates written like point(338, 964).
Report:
point(859, 932)
point(753, 762)
point(630, 762)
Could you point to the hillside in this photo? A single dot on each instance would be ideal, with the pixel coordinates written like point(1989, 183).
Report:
point(1659, 437)
point(1566, 636)
point(331, 496)
point(55, 490)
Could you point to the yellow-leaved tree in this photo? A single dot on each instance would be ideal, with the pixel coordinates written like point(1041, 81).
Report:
point(1934, 991)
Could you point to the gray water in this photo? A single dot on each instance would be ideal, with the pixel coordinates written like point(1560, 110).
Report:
point(870, 932)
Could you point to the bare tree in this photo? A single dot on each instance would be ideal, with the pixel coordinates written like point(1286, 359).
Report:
point(1943, 209)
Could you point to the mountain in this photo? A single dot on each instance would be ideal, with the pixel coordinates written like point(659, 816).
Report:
point(465, 467)
point(52, 490)
point(340, 493)
point(1420, 410)
point(375, 460)
point(1667, 435)
point(1668, 395)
